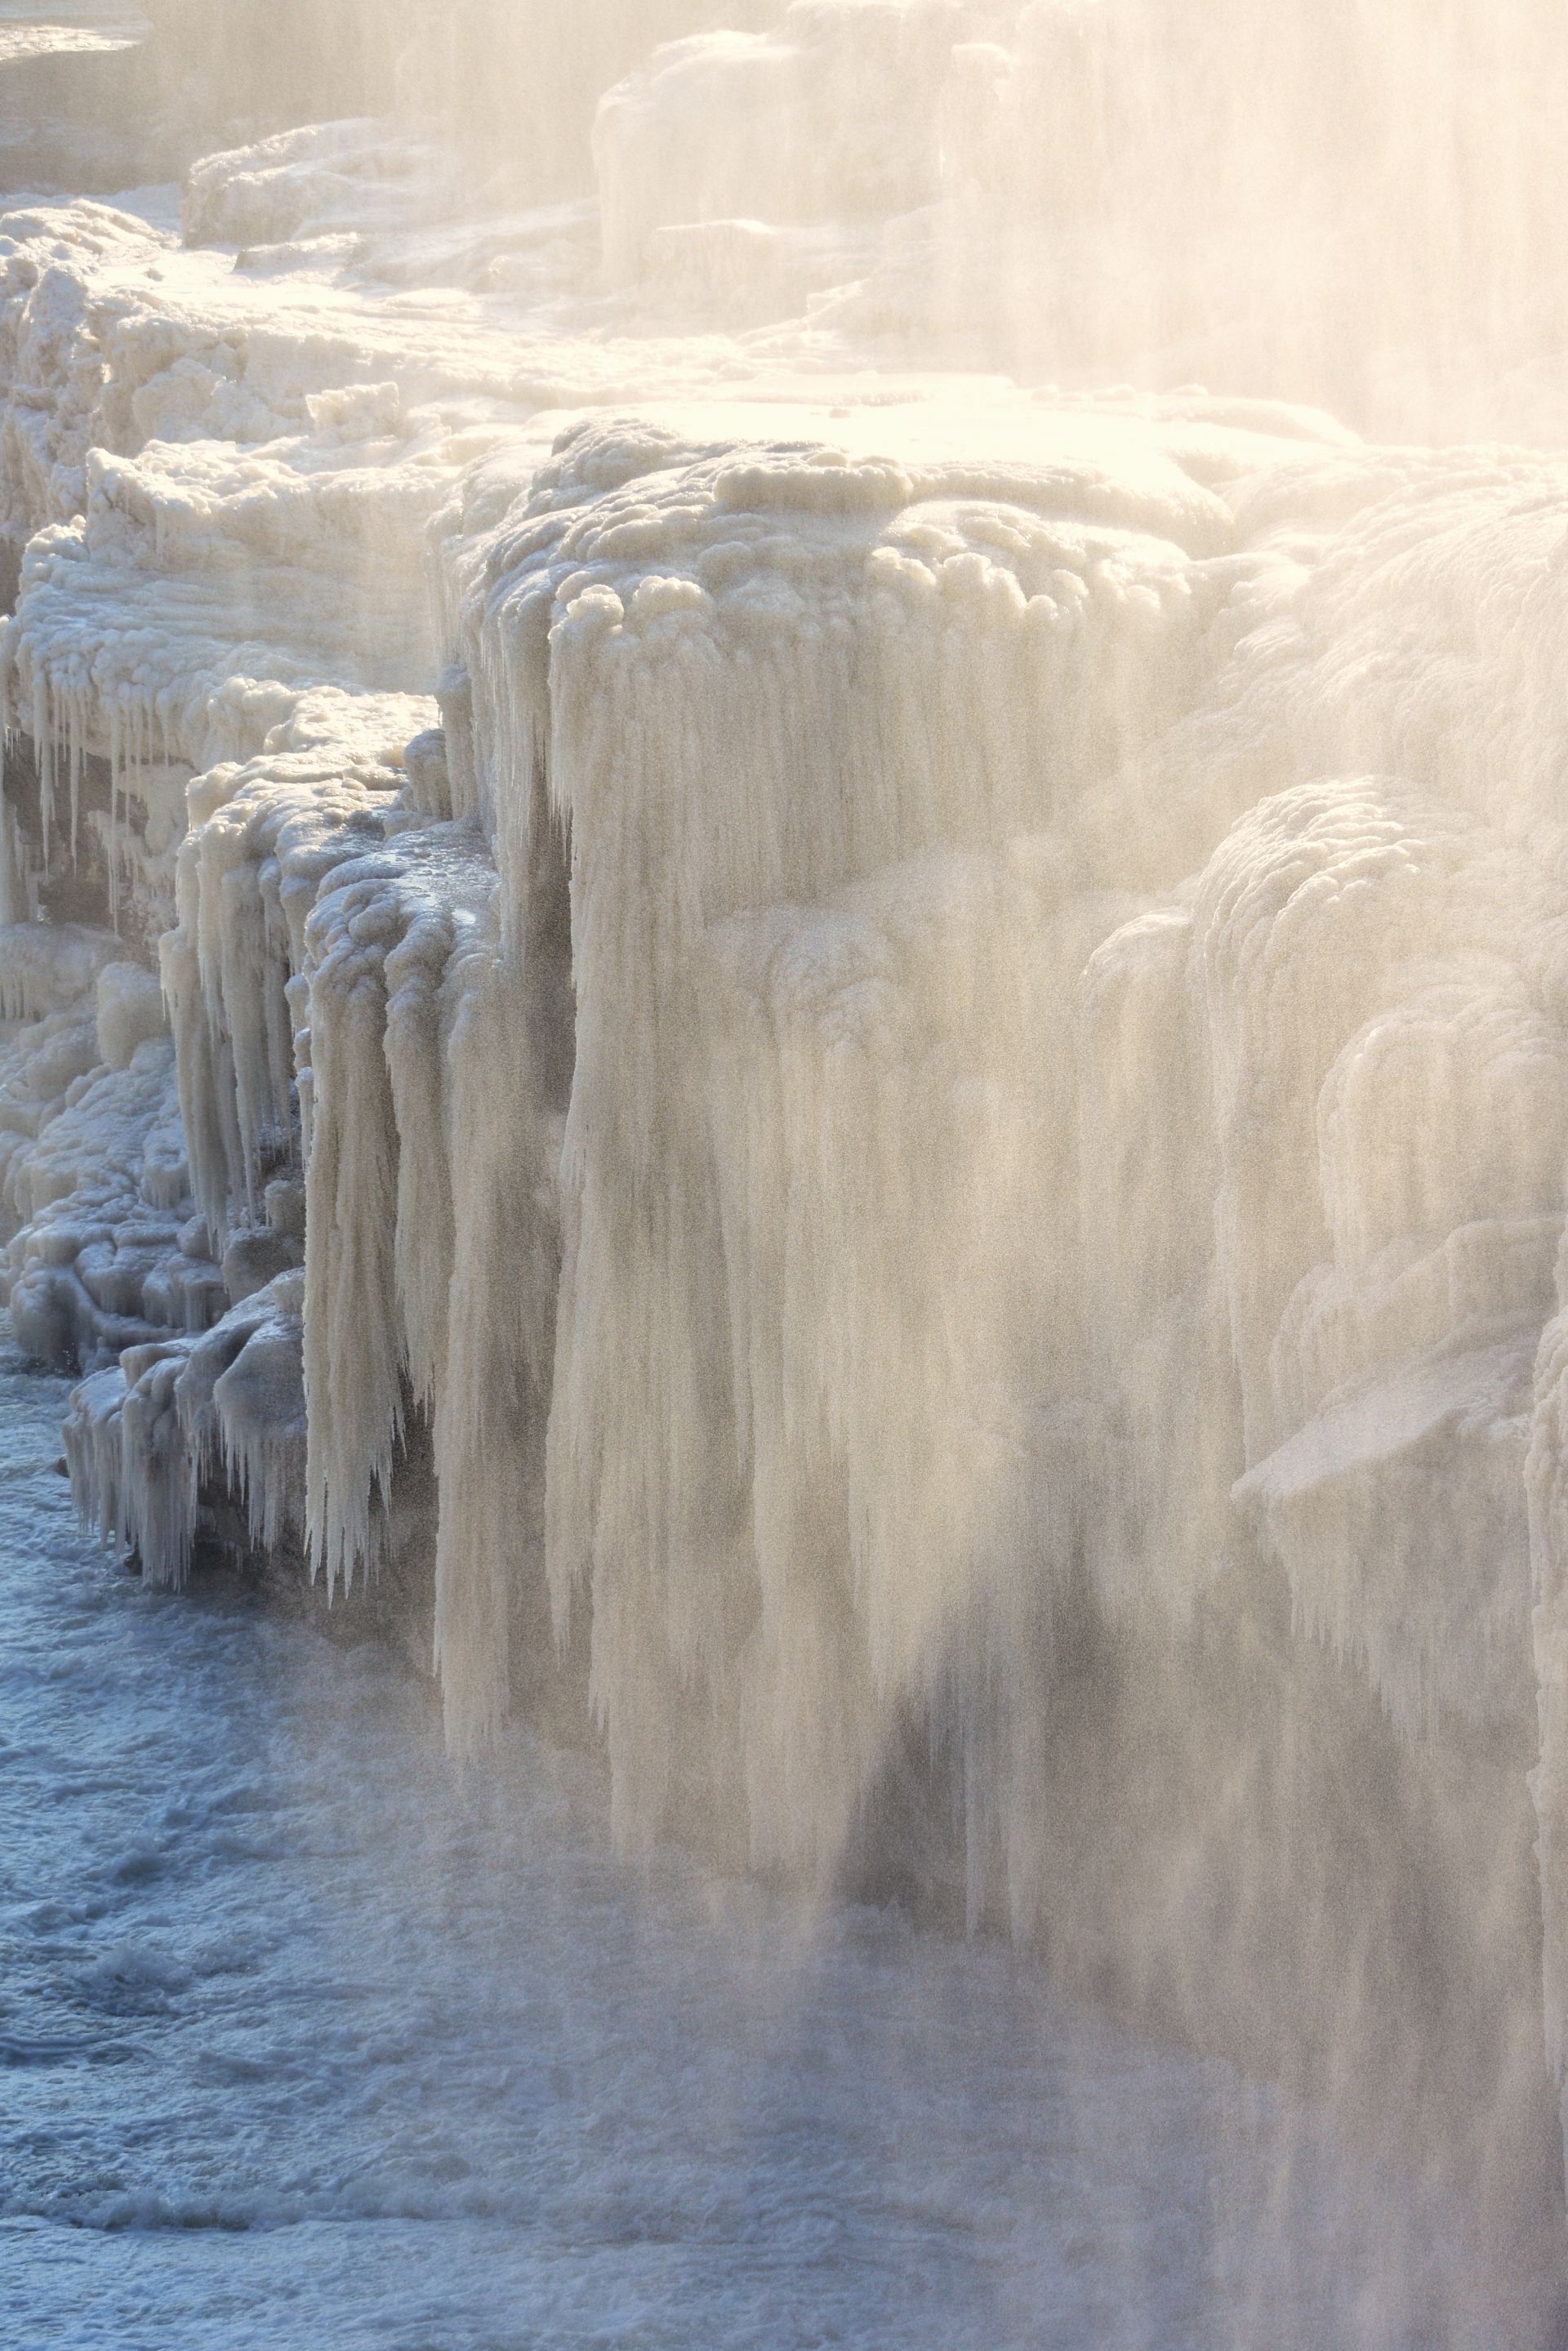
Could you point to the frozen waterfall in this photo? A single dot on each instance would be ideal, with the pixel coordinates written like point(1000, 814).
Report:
point(785, 847)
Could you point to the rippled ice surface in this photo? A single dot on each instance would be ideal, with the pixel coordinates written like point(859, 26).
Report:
point(305, 2041)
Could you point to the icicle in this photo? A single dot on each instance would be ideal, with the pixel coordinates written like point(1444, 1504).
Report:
point(115, 785)
point(43, 753)
point(490, 1422)
point(259, 1404)
point(352, 1347)
point(75, 721)
point(13, 885)
point(419, 1015)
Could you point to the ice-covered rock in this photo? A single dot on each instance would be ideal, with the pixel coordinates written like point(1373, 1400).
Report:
point(146, 1436)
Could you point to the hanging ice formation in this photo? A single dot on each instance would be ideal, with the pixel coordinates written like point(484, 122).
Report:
point(913, 1035)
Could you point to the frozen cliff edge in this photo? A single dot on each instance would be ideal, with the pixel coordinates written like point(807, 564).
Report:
point(895, 1067)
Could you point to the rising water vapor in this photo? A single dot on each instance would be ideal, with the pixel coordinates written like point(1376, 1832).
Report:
point(838, 728)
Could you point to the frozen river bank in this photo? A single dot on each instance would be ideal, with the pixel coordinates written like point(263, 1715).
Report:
point(305, 2038)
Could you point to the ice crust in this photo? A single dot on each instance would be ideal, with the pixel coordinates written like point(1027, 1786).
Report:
point(879, 1001)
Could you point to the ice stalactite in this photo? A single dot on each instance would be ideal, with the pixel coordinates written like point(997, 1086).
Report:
point(130, 1461)
point(319, 913)
point(263, 837)
point(493, 1399)
point(147, 631)
point(13, 870)
point(243, 1403)
point(331, 937)
point(365, 1173)
point(352, 1354)
point(147, 1436)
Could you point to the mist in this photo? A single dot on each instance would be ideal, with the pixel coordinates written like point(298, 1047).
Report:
point(783, 883)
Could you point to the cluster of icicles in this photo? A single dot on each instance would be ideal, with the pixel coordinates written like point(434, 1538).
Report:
point(928, 1049)
point(877, 1068)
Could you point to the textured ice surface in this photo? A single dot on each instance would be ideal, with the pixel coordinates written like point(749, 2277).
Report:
point(68, 27)
point(918, 1023)
point(956, 795)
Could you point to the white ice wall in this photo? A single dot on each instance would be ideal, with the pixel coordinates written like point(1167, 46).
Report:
point(1022, 1141)
point(960, 1030)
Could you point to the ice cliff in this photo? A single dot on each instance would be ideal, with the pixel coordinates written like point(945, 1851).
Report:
point(882, 1054)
